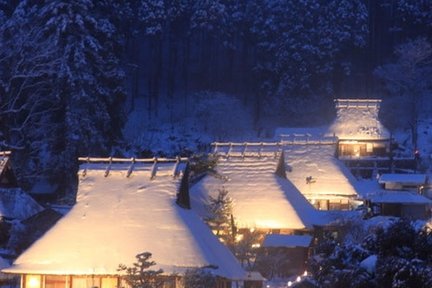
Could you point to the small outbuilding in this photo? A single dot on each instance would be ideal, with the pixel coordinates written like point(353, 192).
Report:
point(405, 204)
point(412, 182)
point(295, 248)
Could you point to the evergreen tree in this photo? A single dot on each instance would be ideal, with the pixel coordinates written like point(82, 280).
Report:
point(408, 84)
point(219, 216)
point(199, 278)
point(63, 85)
point(140, 275)
point(301, 46)
point(403, 259)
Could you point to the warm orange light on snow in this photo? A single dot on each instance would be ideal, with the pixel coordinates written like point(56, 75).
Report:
point(33, 281)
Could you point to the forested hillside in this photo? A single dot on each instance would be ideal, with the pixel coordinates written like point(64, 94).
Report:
point(74, 73)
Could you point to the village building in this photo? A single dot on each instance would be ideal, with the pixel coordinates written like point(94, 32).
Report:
point(15, 204)
point(125, 207)
point(264, 200)
point(295, 248)
point(399, 195)
point(322, 178)
point(407, 181)
point(406, 204)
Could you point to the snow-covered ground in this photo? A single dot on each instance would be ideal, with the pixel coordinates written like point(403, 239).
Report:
point(214, 117)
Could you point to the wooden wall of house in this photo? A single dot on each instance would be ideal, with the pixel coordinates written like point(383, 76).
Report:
point(331, 204)
point(409, 211)
point(96, 281)
point(294, 264)
point(364, 149)
point(416, 211)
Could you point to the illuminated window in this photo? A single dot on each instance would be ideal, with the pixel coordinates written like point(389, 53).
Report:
point(109, 282)
point(33, 281)
point(55, 281)
point(85, 282)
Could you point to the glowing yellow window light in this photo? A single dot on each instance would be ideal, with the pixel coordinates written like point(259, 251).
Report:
point(33, 281)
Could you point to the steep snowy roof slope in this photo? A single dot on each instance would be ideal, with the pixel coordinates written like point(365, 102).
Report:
point(329, 175)
point(116, 217)
point(16, 204)
point(357, 119)
point(261, 199)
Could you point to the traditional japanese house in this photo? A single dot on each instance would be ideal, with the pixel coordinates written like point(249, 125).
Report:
point(263, 200)
point(125, 207)
point(255, 177)
point(322, 178)
point(359, 130)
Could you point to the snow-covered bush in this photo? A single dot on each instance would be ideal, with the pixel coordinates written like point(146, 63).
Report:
point(139, 275)
point(199, 278)
point(403, 254)
point(200, 164)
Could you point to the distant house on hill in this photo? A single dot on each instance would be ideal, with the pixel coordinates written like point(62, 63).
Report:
point(125, 207)
point(15, 204)
point(359, 130)
point(7, 176)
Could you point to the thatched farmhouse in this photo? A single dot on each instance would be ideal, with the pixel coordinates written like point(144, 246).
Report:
point(125, 207)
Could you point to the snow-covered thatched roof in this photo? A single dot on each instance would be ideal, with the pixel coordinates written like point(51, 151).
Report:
point(413, 179)
point(398, 197)
point(261, 199)
point(330, 178)
point(123, 209)
point(16, 204)
point(357, 119)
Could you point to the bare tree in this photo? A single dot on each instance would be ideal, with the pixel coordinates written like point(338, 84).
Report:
point(408, 80)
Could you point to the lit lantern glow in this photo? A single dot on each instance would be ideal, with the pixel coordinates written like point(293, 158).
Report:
point(33, 281)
